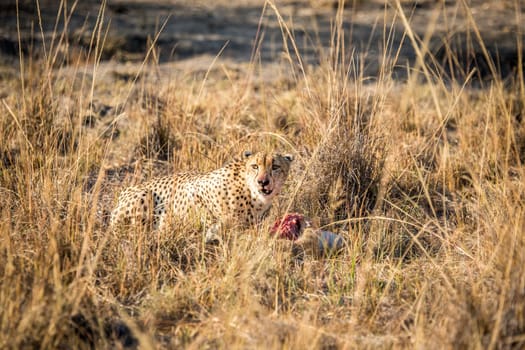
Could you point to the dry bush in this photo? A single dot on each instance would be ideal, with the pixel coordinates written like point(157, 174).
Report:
point(344, 171)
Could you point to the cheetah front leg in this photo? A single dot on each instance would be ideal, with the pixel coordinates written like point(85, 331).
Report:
point(214, 232)
point(213, 236)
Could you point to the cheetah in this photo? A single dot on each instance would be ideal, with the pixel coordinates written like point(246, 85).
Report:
point(240, 193)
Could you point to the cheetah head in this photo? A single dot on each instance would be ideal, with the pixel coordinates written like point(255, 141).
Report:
point(266, 173)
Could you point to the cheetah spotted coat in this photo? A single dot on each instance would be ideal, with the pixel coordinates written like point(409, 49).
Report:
point(240, 193)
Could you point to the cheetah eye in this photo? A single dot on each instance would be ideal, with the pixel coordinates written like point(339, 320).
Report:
point(255, 166)
point(276, 167)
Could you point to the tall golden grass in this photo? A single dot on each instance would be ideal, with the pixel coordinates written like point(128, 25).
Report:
point(424, 179)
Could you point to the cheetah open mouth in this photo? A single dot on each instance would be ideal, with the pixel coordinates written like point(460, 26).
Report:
point(266, 191)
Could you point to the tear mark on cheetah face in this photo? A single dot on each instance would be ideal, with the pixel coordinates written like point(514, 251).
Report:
point(266, 174)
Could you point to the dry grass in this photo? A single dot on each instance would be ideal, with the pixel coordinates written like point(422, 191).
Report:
point(425, 179)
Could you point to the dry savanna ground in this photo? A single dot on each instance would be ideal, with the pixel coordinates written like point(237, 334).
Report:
point(423, 176)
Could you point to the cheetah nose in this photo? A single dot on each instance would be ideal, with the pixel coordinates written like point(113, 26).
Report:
point(264, 182)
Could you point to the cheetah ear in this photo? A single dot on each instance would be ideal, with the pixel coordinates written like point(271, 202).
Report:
point(246, 154)
point(288, 157)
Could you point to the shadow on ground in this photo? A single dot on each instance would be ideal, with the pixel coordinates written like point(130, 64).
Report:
point(372, 29)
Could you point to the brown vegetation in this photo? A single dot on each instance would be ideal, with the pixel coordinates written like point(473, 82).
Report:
point(423, 178)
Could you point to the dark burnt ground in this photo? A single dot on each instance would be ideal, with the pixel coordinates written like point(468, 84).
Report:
point(372, 29)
